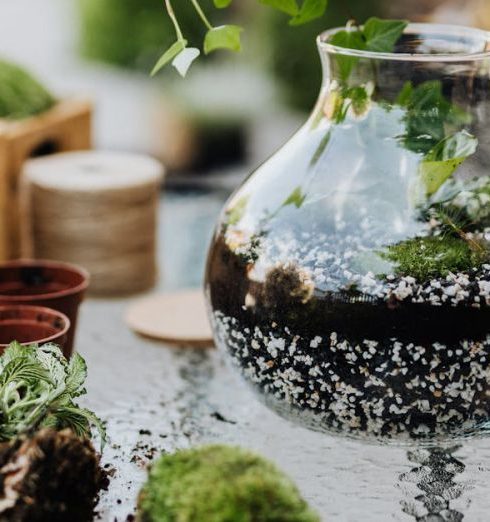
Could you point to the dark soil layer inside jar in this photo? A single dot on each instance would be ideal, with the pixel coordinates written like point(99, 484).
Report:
point(351, 362)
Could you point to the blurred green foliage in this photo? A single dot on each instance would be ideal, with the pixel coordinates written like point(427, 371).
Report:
point(294, 57)
point(134, 33)
point(21, 95)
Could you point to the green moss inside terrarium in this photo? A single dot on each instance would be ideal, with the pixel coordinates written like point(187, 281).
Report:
point(220, 483)
point(425, 258)
point(21, 95)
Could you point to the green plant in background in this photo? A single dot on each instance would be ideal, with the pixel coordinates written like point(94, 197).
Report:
point(132, 33)
point(292, 51)
point(21, 95)
point(38, 388)
point(220, 484)
point(228, 36)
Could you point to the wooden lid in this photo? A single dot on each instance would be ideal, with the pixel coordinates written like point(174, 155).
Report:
point(177, 318)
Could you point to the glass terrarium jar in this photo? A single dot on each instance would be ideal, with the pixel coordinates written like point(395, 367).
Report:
point(349, 276)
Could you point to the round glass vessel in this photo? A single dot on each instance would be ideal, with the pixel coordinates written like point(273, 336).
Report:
point(349, 276)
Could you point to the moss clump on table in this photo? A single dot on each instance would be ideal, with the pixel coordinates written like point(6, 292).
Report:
point(425, 258)
point(222, 484)
point(21, 95)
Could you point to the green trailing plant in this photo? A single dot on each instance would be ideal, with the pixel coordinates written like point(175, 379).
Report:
point(292, 50)
point(222, 484)
point(105, 26)
point(39, 388)
point(434, 127)
point(21, 95)
point(375, 34)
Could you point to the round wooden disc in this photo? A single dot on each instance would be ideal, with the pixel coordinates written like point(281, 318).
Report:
point(178, 318)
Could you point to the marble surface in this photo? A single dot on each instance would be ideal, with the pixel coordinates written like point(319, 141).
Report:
point(156, 398)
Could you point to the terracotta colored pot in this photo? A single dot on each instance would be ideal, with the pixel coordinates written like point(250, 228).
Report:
point(60, 286)
point(32, 324)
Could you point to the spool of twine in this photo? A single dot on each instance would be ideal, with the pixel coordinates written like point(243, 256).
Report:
point(98, 210)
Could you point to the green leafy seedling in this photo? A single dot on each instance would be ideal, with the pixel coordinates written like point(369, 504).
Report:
point(39, 388)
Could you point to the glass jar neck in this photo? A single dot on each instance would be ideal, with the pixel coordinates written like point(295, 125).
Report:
point(424, 52)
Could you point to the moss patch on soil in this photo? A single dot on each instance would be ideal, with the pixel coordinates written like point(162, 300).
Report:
point(425, 258)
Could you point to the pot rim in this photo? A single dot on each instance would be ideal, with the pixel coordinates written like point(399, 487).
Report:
point(46, 263)
point(40, 310)
point(419, 28)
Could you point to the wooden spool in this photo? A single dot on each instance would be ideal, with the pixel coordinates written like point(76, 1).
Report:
point(65, 127)
point(98, 210)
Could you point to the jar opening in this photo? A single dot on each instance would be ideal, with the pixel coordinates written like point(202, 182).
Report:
point(423, 42)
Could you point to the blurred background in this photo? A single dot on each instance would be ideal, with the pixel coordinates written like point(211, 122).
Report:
point(209, 130)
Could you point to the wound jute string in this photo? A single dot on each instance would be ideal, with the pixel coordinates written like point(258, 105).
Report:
point(98, 210)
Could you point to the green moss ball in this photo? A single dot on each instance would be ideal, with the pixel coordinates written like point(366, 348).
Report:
point(220, 484)
point(21, 95)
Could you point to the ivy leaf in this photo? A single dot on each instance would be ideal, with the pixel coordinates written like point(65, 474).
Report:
point(381, 36)
point(376, 35)
point(429, 116)
point(321, 148)
point(310, 10)
point(289, 7)
point(237, 211)
point(405, 96)
point(443, 160)
point(459, 145)
point(221, 4)
point(184, 59)
point(223, 37)
point(359, 99)
point(296, 198)
point(169, 55)
point(348, 40)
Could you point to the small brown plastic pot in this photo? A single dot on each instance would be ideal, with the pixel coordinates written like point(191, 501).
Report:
point(32, 324)
point(51, 284)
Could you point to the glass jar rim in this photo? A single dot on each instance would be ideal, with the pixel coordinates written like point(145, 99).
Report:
point(441, 30)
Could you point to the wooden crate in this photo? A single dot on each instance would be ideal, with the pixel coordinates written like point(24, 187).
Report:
point(65, 127)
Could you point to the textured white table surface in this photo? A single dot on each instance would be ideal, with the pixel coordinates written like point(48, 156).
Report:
point(178, 396)
point(157, 398)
